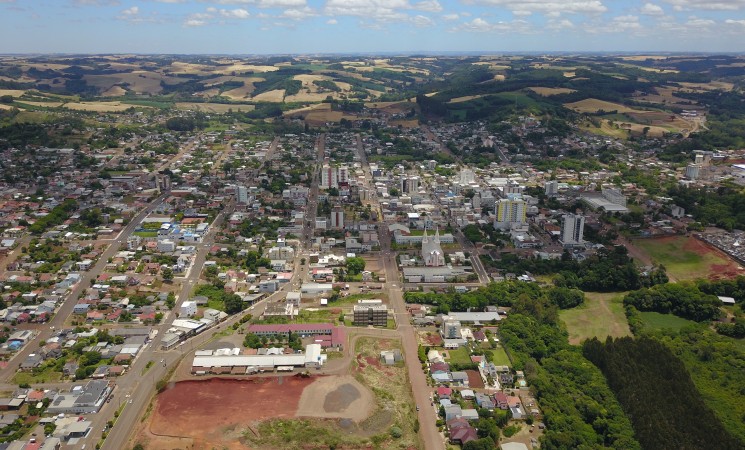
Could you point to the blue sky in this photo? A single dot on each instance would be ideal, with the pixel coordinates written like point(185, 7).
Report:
point(349, 26)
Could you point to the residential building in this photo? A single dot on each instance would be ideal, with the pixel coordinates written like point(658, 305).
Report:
point(329, 177)
point(572, 230)
point(188, 309)
point(370, 314)
point(510, 211)
point(81, 399)
point(337, 217)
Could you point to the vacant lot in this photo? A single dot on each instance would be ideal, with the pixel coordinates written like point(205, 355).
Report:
point(687, 258)
point(547, 91)
point(99, 106)
point(592, 105)
point(336, 397)
point(601, 316)
point(213, 413)
point(217, 108)
point(459, 356)
point(657, 321)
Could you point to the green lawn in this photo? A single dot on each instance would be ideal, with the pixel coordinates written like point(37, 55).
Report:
point(30, 378)
point(659, 321)
point(601, 316)
point(459, 356)
point(146, 233)
point(499, 357)
point(679, 257)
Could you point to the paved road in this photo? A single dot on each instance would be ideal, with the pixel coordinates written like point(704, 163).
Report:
point(476, 264)
point(85, 282)
point(428, 431)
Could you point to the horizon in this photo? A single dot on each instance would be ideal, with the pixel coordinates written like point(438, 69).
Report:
point(314, 27)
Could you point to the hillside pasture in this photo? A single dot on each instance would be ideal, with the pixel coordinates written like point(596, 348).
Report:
point(276, 96)
point(215, 108)
point(547, 91)
point(99, 106)
point(592, 105)
point(601, 315)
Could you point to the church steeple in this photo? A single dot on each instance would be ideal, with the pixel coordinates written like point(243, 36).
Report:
point(424, 238)
point(437, 235)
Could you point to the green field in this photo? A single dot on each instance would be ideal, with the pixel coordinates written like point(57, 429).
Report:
point(601, 316)
point(499, 357)
point(679, 258)
point(459, 356)
point(659, 321)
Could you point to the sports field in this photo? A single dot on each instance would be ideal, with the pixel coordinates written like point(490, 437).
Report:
point(687, 258)
point(657, 321)
point(601, 316)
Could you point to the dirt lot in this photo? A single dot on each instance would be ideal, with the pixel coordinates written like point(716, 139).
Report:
point(181, 411)
point(336, 397)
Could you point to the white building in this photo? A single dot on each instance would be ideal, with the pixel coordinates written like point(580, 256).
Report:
point(432, 253)
point(467, 176)
point(166, 245)
point(572, 230)
point(329, 177)
point(551, 188)
point(343, 175)
point(409, 184)
point(188, 309)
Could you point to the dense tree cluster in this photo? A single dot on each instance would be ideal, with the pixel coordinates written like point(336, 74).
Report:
point(682, 299)
point(56, 216)
point(723, 206)
point(657, 393)
point(579, 409)
point(606, 271)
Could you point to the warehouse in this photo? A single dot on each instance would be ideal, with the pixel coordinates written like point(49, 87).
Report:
point(231, 363)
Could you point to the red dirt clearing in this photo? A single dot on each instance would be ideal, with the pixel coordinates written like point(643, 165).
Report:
point(206, 409)
point(716, 271)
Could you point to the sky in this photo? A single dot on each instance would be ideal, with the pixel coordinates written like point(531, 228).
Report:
point(370, 26)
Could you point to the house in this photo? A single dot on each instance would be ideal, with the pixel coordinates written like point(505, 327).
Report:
point(517, 412)
point(452, 412)
point(459, 378)
point(32, 361)
point(470, 414)
point(501, 400)
point(506, 378)
point(444, 392)
point(460, 431)
point(439, 367)
point(81, 399)
point(484, 401)
point(467, 394)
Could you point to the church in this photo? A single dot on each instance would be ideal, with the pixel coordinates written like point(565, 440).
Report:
point(432, 251)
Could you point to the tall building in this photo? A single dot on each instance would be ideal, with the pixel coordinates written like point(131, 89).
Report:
point(572, 230)
point(551, 188)
point(343, 176)
point(370, 314)
point(329, 177)
point(409, 184)
point(692, 171)
point(432, 253)
point(163, 182)
point(241, 194)
point(510, 211)
point(337, 217)
point(467, 176)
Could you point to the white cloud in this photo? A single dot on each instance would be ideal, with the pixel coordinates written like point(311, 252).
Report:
point(450, 17)
point(650, 9)
point(707, 5)
point(383, 10)
point(557, 25)
point(735, 22)
point(133, 11)
point(299, 13)
point(422, 21)
point(624, 23)
point(479, 25)
point(194, 23)
point(238, 13)
point(428, 6)
point(696, 22)
point(547, 6)
point(96, 2)
point(262, 3)
point(332, 22)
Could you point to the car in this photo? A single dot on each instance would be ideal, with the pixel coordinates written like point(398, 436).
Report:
point(417, 407)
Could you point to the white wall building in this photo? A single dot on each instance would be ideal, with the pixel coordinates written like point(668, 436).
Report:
point(572, 230)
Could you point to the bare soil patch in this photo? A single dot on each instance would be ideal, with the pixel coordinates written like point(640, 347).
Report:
point(341, 397)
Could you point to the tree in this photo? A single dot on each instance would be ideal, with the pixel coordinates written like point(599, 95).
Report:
point(233, 304)
point(480, 444)
point(167, 274)
point(355, 265)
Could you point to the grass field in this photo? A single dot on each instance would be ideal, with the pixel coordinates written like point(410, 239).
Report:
point(686, 258)
point(657, 321)
point(592, 105)
point(602, 315)
point(459, 356)
point(217, 108)
point(499, 357)
point(547, 91)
